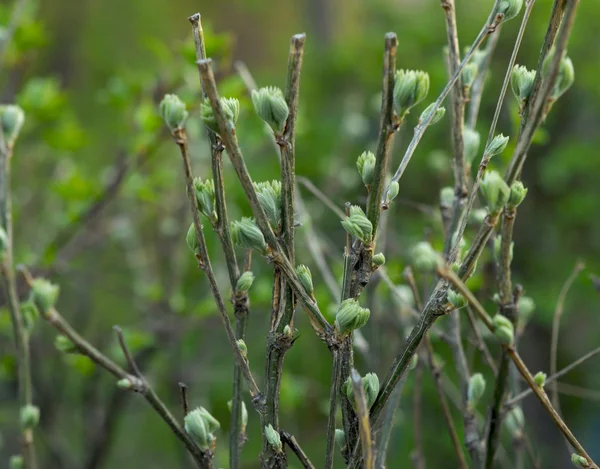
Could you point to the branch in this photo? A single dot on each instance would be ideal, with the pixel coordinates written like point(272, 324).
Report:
point(333, 397)
point(295, 447)
point(362, 413)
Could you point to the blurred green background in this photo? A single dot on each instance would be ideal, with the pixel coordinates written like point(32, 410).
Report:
point(89, 75)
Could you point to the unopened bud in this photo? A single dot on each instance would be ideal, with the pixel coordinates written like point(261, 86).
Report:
point(12, 118)
point(273, 438)
point(476, 389)
point(351, 316)
point(495, 191)
point(269, 197)
point(457, 300)
point(540, 378)
point(410, 88)
point(439, 113)
point(340, 438)
point(370, 385)
point(192, 240)
point(173, 111)
point(245, 282)
point(243, 416)
point(205, 194)
point(358, 225)
point(503, 329)
point(305, 278)
point(64, 344)
point(378, 259)
point(521, 81)
point(271, 107)
point(246, 234)
point(497, 145)
point(509, 8)
point(30, 416)
point(392, 192)
point(231, 109)
point(44, 294)
point(579, 461)
point(366, 167)
point(565, 78)
point(243, 347)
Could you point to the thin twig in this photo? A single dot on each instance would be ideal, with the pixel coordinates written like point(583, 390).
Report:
point(321, 196)
point(418, 455)
point(185, 406)
point(521, 367)
point(295, 447)
point(362, 413)
point(333, 398)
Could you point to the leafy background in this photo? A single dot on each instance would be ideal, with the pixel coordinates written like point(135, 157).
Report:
point(89, 76)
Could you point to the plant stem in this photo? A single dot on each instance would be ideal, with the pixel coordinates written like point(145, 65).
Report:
point(362, 412)
point(521, 367)
point(387, 425)
point(295, 447)
point(417, 455)
point(333, 397)
point(20, 334)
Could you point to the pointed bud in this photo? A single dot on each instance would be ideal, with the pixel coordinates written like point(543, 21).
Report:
point(370, 385)
point(44, 295)
point(521, 81)
point(469, 74)
point(351, 316)
point(269, 197)
point(245, 281)
point(287, 331)
point(305, 278)
point(366, 167)
point(273, 438)
point(12, 118)
point(497, 145)
point(205, 194)
point(30, 315)
point(340, 438)
point(271, 107)
point(579, 461)
point(472, 141)
point(125, 384)
point(495, 191)
point(378, 259)
point(30, 416)
point(247, 235)
point(437, 115)
point(64, 344)
point(212, 424)
point(526, 307)
point(410, 88)
point(392, 192)
point(414, 361)
point(358, 225)
point(231, 109)
point(457, 300)
point(565, 78)
point(509, 8)
point(476, 389)
point(16, 462)
point(425, 258)
point(173, 111)
point(517, 194)
point(244, 414)
point(192, 240)
point(243, 348)
point(540, 378)
point(197, 428)
point(515, 420)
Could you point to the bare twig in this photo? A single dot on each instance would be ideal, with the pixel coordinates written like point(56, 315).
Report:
point(333, 398)
point(322, 197)
point(295, 447)
point(418, 455)
point(185, 406)
point(362, 412)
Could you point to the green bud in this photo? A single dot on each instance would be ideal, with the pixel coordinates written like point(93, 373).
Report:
point(447, 196)
point(526, 307)
point(414, 361)
point(366, 167)
point(231, 109)
point(497, 145)
point(370, 385)
point(44, 294)
point(243, 347)
point(271, 107)
point(437, 115)
point(579, 461)
point(198, 426)
point(244, 413)
point(469, 74)
point(287, 331)
point(245, 281)
point(340, 438)
point(192, 240)
point(495, 191)
point(476, 389)
point(205, 194)
point(358, 225)
point(472, 141)
point(269, 197)
point(517, 194)
point(30, 315)
point(521, 81)
point(424, 257)
point(16, 462)
point(12, 118)
point(30, 416)
point(503, 329)
point(64, 344)
point(246, 234)
point(509, 8)
point(305, 278)
point(410, 88)
point(173, 111)
point(392, 192)
point(378, 259)
point(351, 316)
point(457, 300)
point(273, 438)
point(3, 242)
point(125, 384)
point(515, 420)
point(540, 378)
point(565, 78)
